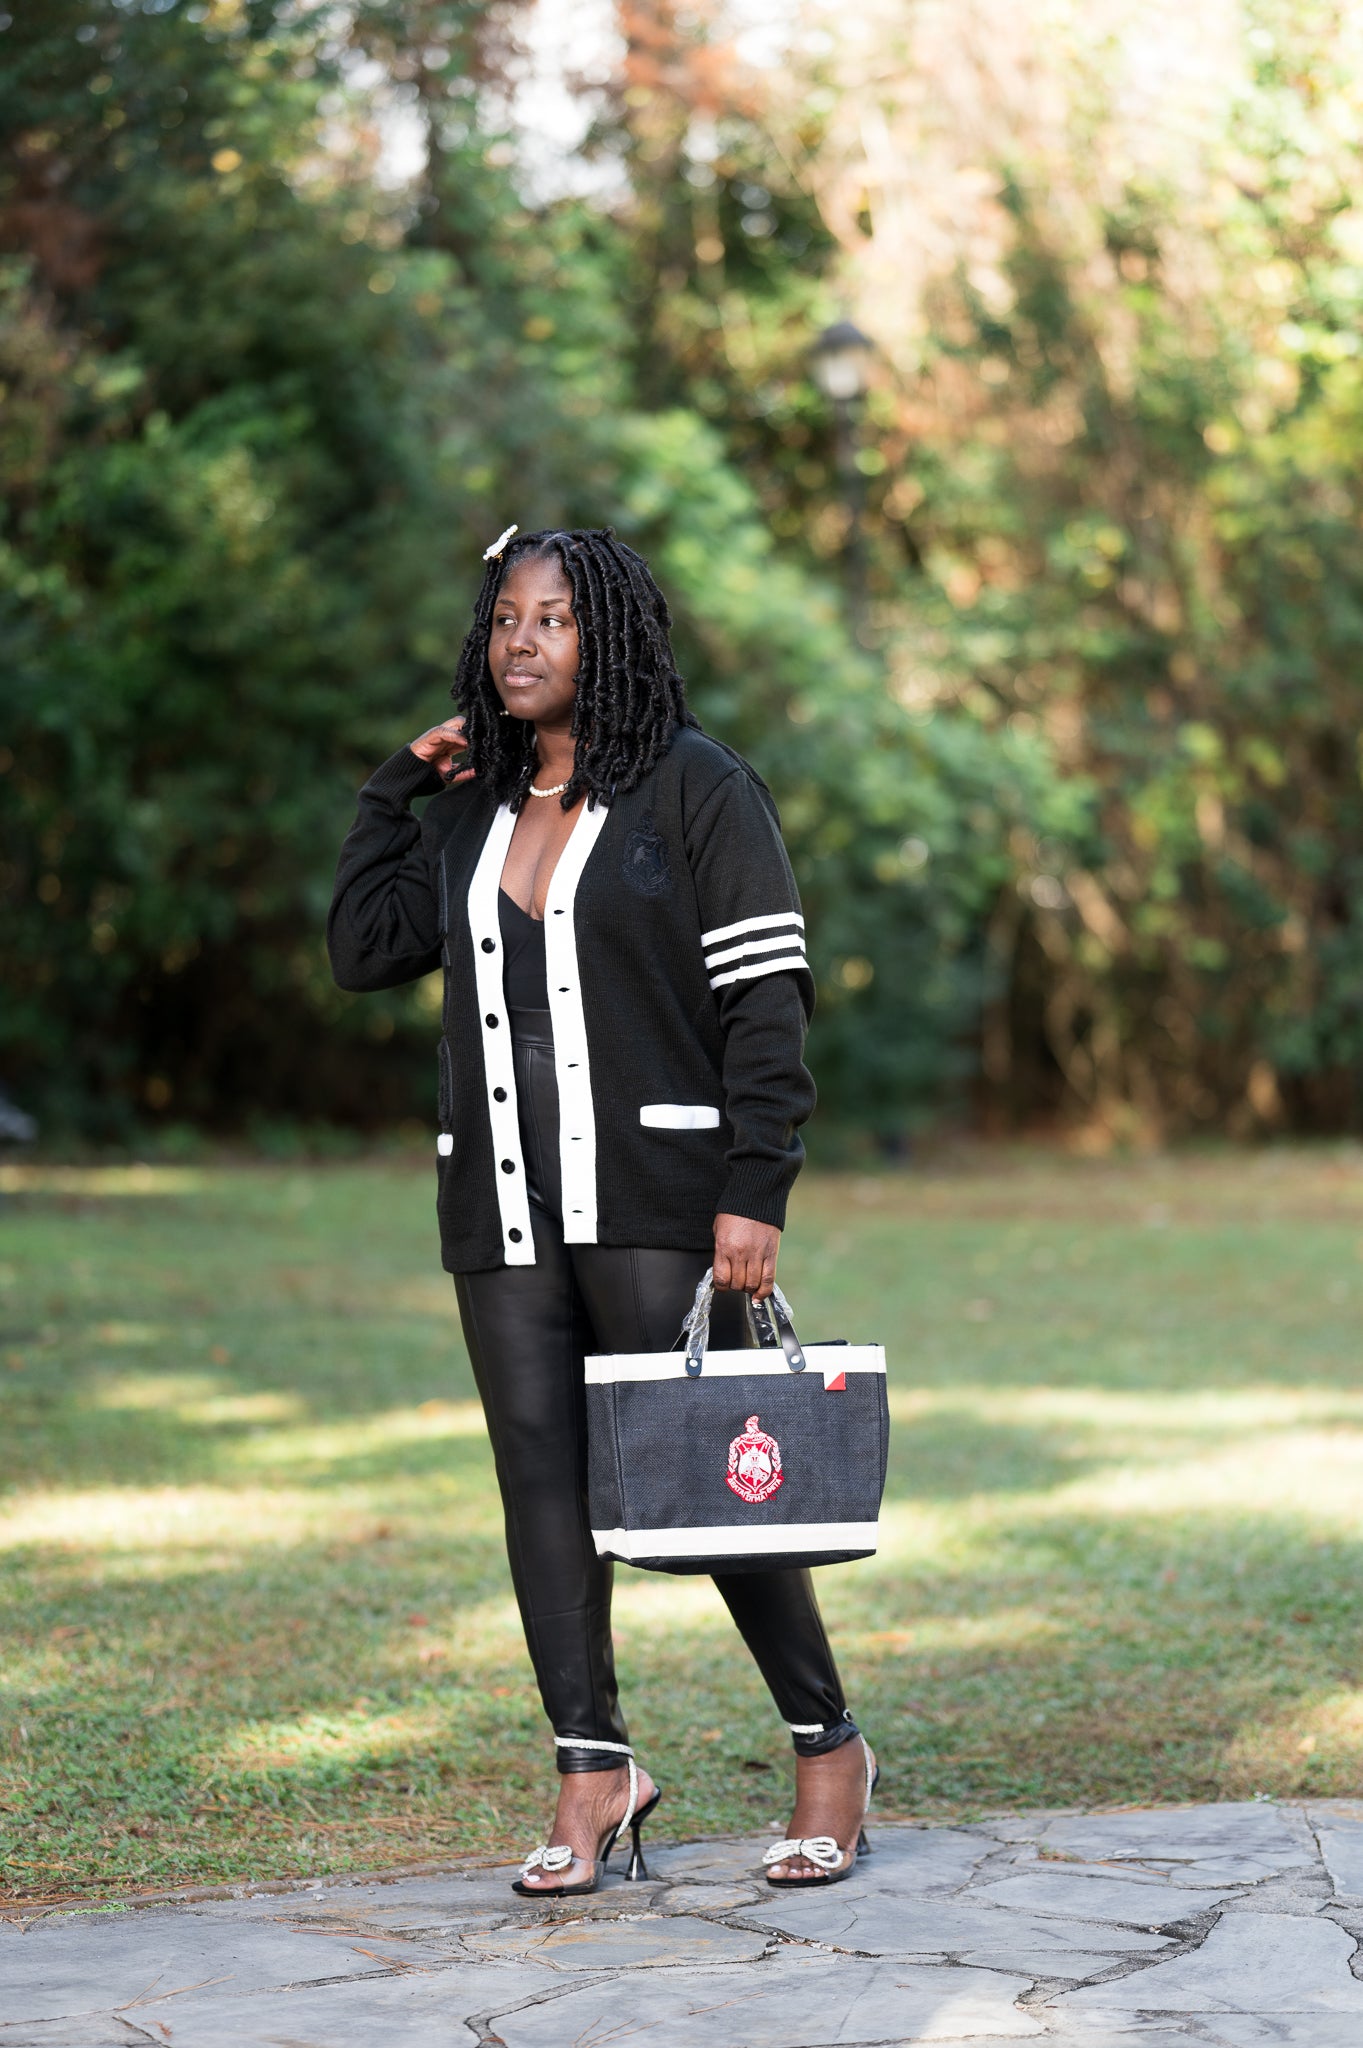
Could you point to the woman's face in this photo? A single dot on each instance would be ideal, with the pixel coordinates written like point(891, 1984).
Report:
point(533, 650)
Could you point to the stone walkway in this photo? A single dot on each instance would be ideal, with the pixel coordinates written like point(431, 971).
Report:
point(1223, 1925)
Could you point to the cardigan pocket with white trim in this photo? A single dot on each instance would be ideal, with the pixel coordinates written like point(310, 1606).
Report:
point(679, 1116)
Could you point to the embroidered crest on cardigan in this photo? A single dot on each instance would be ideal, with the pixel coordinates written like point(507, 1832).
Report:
point(644, 862)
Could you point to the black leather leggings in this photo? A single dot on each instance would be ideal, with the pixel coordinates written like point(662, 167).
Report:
point(527, 1329)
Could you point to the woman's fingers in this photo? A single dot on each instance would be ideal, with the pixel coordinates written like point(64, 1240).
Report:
point(745, 1254)
point(441, 742)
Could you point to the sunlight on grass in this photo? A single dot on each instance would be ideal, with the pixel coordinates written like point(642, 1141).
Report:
point(167, 1523)
point(284, 1745)
point(1307, 1476)
point(323, 1443)
point(192, 1397)
point(1006, 1628)
point(1321, 1737)
point(1126, 1417)
point(647, 1600)
point(256, 1603)
point(108, 1182)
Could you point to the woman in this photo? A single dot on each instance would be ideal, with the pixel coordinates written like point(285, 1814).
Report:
point(621, 1086)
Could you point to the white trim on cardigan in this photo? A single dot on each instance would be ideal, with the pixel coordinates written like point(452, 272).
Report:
point(499, 1068)
point(679, 1116)
point(572, 1067)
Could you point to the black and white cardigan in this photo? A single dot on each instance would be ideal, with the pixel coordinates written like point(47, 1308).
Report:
point(678, 989)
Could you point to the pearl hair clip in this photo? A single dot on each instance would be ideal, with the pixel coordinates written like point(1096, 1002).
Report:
point(494, 553)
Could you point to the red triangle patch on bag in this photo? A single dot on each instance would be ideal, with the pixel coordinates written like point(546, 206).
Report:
point(837, 1385)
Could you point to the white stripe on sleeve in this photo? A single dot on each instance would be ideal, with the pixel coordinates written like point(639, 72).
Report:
point(750, 924)
point(756, 967)
point(750, 946)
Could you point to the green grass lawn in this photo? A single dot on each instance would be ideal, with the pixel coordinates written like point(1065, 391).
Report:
point(257, 1617)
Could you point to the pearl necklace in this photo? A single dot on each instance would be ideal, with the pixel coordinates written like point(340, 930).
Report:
point(557, 789)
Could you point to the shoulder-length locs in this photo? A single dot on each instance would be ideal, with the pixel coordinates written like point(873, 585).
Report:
point(630, 698)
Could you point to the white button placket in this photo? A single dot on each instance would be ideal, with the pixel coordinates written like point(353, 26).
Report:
point(499, 1069)
point(572, 1067)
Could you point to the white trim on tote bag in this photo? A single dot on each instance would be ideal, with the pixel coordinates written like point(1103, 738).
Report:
point(613, 1367)
point(735, 1540)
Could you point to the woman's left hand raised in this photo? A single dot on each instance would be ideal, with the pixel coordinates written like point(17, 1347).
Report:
point(745, 1255)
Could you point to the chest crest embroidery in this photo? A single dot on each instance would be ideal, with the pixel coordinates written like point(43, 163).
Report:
point(644, 862)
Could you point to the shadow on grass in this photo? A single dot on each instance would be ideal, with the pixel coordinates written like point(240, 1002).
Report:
point(207, 1723)
point(89, 1440)
point(205, 1699)
point(101, 1424)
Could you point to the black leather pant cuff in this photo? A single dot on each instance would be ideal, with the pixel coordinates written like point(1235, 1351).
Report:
point(570, 1760)
point(830, 1738)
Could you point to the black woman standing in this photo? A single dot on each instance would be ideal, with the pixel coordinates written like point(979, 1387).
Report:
point(621, 1088)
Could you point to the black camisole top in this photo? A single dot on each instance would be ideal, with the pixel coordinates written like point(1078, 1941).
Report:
point(525, 976)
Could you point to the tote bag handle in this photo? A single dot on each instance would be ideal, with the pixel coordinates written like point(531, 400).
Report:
point(770, 1321)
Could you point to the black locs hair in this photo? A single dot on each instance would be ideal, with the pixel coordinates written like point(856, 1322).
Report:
point(630, 698)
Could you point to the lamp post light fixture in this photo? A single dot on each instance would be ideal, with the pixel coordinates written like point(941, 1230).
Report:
point(840, 361)
point(840, 364)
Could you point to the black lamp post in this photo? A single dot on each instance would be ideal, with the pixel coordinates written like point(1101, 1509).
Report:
point(840, 363)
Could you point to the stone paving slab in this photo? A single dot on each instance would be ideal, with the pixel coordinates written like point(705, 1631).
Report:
point(835, 2002)
point(1320, 2030)
point(1230, 1927)
point(397, 1903)
point(1341, 1846)
point(1256, 1836)
point(624, 1944)
point(106, 1960)
point(886, 1924)
point(1135, 1900)
point(402, 2011)
point(1260, 1963)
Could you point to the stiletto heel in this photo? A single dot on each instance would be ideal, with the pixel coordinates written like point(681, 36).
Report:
point(637, 1867)
point(833, 1861)
point(559, 1856)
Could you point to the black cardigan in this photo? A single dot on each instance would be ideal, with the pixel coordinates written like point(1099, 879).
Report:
point(677, 985)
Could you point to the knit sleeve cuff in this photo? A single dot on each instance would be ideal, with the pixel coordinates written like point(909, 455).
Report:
point(404, 776)
point(758, 1189)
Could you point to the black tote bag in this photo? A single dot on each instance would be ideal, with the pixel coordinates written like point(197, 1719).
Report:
point(705, 1461)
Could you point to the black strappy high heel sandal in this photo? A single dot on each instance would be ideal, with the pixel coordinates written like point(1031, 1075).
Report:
point(834, 1862)
point(557, 1856)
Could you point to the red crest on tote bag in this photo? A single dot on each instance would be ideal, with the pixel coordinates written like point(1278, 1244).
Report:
point(754, 1464)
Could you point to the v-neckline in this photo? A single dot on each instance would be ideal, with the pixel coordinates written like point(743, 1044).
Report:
point(502, 890)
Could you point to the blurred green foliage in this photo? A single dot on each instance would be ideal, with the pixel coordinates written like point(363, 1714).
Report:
point(1120, 510)
point(1074, 801)
point(263, 413)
